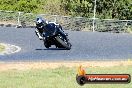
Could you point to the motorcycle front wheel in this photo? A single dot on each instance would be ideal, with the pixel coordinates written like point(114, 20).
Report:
point(45, 43)
point(63, 43)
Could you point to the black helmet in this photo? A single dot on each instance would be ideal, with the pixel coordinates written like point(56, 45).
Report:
point(40, 22)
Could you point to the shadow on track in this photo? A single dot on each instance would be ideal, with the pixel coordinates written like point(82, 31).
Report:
point(52, 49)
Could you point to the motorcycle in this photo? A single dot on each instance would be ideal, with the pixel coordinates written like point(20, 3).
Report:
point(56, 37)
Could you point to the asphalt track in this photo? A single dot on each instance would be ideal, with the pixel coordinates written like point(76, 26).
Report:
point(85, 46)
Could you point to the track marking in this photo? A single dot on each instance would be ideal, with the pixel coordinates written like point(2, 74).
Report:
point(10, 49)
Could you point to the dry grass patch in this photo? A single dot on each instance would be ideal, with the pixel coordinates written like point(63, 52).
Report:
point(2, 48)
point(52, 65)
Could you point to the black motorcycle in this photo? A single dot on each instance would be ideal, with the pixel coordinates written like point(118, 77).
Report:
point(56, 37)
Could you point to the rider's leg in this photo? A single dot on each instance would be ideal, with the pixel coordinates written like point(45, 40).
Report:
point(61, 29)
point(63, 34)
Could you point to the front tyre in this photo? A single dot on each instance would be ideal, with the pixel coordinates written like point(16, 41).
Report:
point(63, 43)
point(45, 43)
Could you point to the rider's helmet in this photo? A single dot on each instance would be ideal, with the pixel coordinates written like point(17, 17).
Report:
point(40, 23)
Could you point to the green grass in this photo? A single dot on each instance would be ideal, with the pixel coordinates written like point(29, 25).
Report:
point(58, 78)
point(2, 48)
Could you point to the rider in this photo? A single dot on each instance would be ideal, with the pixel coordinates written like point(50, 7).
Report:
point(42, 25)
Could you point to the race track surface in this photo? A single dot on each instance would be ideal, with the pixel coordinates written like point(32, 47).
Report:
point(85, 46)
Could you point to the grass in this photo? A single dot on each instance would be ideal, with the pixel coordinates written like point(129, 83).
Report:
point(61, 77)
point(129, 30)
point(2, 48)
